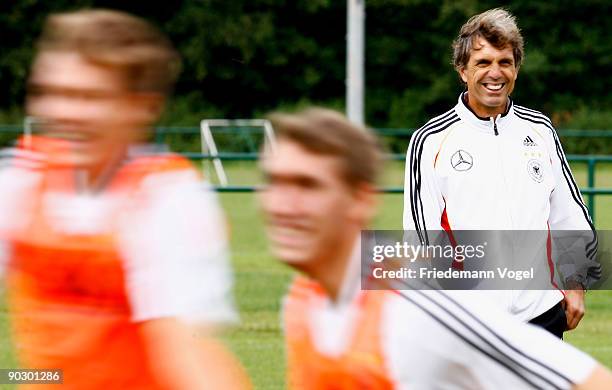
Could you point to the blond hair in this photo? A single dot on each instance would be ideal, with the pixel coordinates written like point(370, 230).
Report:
point(117, 40)
point(327, 132)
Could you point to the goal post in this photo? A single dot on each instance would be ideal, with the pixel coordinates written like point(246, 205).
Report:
point(28, 129)
point(209, 146)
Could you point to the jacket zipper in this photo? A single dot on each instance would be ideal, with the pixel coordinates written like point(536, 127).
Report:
point(502, 168)
point(494, 121)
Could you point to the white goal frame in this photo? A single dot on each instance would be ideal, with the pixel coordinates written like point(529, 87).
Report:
point(209, 146)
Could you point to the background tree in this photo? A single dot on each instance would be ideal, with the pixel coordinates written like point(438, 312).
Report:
point(243, 58)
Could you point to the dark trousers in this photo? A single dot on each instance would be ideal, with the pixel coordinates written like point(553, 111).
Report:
point(553, 320)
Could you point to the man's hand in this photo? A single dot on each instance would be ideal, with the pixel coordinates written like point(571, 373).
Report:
point(573, 303)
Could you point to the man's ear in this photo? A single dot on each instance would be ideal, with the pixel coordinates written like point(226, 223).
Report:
point(156, 103)
point(365, 203)
point(463, 74)
point(150, 104)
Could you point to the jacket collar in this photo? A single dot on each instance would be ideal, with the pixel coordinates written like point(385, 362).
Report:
point(483, 124)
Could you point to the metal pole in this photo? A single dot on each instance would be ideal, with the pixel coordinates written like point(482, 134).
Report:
point(355, 22)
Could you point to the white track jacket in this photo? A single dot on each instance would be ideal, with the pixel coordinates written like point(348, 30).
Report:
point(464, 172)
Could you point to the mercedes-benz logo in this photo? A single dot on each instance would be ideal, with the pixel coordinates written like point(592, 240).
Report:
point(461, 160)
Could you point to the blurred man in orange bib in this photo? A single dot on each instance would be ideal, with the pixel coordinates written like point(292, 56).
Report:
point(320, 194)
point(116, 262)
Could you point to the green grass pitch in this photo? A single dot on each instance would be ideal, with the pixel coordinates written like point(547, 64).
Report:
point(260, 281)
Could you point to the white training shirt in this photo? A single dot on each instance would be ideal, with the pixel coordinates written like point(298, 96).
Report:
point(503, 173)
point(448, 340)
point(171, 234)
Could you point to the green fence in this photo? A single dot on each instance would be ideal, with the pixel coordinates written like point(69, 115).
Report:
point(10, 132)
point(590, 191)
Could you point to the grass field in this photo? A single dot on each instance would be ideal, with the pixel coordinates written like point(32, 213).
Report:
point(261, 281)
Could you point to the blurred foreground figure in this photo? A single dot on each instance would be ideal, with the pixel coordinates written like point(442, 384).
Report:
point(320, 195)
point(116, 264)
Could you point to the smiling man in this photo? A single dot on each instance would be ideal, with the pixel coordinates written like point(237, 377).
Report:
point(489, 164)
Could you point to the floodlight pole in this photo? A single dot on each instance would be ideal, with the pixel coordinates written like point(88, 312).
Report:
point(355, 22)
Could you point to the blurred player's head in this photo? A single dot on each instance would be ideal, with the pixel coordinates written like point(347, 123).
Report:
point(320, 185)
point(98, 81)
point(487, 55)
